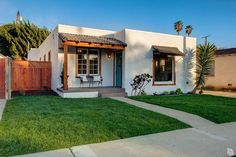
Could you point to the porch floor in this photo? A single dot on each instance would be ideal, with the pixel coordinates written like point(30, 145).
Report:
point(102, 91)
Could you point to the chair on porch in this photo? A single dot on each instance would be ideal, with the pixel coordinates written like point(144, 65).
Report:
point(90, 79)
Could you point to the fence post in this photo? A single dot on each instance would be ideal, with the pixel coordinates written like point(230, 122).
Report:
point(8, 77)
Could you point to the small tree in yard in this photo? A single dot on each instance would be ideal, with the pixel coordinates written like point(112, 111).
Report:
point(205, 58)
point(139, 83)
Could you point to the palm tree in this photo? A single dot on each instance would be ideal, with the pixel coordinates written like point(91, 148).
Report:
point(188, 29)
point(205, 58)
point(178, 26)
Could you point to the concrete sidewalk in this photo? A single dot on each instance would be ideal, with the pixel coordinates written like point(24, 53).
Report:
point(190, 119)
point(2, 106)
point(212, 142)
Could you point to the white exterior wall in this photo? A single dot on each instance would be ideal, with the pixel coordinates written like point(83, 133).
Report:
point(139, 55)
point(84, 30)
point(50, 44)
point(2, 56)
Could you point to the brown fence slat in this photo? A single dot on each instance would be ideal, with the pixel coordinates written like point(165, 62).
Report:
point(31, 75)
point(2, 78)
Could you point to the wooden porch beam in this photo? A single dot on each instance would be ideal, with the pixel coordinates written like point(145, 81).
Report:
point(65, 68)
point(93, 45)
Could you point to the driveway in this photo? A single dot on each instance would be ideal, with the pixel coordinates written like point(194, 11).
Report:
point(220, 93)
point(209, 141)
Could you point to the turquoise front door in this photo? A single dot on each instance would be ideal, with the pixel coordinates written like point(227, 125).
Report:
point(118, 69)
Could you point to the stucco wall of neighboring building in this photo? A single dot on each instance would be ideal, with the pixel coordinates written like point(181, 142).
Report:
point(139, 56)
point(225, 73)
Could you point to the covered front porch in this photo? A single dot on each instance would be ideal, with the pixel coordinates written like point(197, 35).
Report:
point(92, 65)
point(94, 92)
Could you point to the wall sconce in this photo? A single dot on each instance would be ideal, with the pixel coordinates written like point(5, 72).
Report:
point(109, 55)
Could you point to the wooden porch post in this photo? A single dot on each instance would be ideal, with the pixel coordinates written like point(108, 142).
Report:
point(65, 68)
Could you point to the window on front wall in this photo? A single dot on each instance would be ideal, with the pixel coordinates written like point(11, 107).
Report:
point(82, 61)
point(88, 61)
point(93, 62)
point(163, 68)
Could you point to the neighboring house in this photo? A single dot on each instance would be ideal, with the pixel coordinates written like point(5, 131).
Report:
point(91, 57)
point(223, 75)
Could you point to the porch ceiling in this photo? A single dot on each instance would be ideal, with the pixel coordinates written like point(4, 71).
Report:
point(91, 41)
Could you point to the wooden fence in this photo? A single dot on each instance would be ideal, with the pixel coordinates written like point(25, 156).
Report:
point(31, 75)
point(2, 78)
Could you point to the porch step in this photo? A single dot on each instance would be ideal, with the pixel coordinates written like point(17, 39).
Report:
point(115, 94)
point(112, 92)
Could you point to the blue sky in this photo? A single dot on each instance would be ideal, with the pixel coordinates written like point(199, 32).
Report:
point(216, 18)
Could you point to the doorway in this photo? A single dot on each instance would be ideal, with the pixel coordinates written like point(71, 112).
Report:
point(118, 69)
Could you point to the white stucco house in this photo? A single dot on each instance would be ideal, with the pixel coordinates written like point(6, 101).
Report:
point(103, 62)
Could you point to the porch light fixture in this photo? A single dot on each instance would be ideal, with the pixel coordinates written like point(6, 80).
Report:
point(109, 55)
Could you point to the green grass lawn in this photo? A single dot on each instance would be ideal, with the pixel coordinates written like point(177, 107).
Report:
point(41, 123)
point(214, 108)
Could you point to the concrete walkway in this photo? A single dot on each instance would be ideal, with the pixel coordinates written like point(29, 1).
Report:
point(2, 106)
point(220, 93)
point(213, 142)
point(190, 119)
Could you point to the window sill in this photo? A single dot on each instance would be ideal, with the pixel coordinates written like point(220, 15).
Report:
point(167, 83)
point(84, 75)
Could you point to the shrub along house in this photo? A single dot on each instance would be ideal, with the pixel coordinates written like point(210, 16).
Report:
point(90, 62)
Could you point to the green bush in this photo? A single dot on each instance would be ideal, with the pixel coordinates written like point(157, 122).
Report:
point(172, 92)
point(165, 93)
point(143, 93)
point(178, 91)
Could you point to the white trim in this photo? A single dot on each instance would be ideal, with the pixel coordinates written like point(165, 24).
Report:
point(87, 64)
point(78, 94)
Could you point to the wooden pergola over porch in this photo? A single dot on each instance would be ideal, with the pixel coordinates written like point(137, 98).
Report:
point(86, 41)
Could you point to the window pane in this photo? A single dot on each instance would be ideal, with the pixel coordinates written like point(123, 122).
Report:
point(163, 68)
point(92, 56)
point(82, 61)
point(93, 61)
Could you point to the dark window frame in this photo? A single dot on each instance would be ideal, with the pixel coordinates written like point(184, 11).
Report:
point(164, 83)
